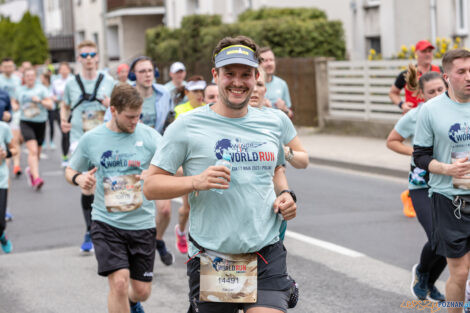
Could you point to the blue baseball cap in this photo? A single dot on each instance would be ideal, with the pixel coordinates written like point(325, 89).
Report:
point(236, 54)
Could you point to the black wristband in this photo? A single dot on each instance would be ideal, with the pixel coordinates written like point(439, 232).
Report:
point(74, 178)
point(8, 154)
point(292, 194)
point(400, 104)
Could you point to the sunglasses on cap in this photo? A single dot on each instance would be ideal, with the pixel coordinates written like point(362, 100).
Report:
point(86, 54)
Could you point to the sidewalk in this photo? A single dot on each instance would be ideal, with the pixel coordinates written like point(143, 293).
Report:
point(352, 152)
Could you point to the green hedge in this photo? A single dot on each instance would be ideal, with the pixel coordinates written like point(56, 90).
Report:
point(289, 32)
point(23, 41)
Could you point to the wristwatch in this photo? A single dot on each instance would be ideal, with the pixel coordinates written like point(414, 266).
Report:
point(290, 155)
point(292, 194)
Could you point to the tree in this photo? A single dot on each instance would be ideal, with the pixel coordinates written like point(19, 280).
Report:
point(30, 42)
point(7, 37)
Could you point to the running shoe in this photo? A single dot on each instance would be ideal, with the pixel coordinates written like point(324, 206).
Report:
point(30, 177)
point(435, 295)
point(87, 245)
point(8, 217)
point(408, 208)
point(419, 283)
point(137, 308)
point(166, 256)
point(17, 170)
point(38, 182)
point(181, 242)
point(65, 161)
point(52, 145)
point(7, 246)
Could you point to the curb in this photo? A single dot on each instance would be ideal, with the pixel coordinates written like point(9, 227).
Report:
point(360, 167)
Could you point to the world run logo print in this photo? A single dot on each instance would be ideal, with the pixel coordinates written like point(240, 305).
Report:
point(459, 132)
point(243, 151)
point(109, 159)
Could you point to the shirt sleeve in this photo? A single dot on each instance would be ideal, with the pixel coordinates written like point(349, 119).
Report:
point(424, 135)
point(288, 129)
point(281, 160)
point(79, 161)
point(173, 148)
point(400, 82)
point(405, 125)
point(286, 95)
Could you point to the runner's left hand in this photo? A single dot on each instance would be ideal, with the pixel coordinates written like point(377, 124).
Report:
point(286, 206)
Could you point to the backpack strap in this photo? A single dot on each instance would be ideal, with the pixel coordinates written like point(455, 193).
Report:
point(86, 96)
point(97, 86)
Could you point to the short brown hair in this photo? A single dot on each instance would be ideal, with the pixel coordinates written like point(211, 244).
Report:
point(124, 96)
point(452, 55)
point(265, 49)
point(239, 40)
point(86, 43)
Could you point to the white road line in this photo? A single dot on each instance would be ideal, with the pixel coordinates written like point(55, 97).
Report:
point(324, 244)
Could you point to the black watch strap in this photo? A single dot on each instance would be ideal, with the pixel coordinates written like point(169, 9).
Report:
point(294, 197)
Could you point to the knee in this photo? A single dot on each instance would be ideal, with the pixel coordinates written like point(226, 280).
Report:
point(142, 291)
point(459, 274)
point(184, 209)
point(119, 285)
point(164, 210)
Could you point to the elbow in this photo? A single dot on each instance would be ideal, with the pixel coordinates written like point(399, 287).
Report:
point(146, 190)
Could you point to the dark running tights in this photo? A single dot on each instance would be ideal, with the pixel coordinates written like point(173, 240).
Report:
point(86, 207)
point(429, 262)
point(3, 209)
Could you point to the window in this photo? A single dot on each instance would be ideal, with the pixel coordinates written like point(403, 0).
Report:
point(81, 36)
point(461, 20)
point(95, 39)
point(374, 43)
point(371, 3)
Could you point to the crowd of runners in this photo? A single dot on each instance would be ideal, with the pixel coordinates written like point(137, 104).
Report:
point(131, 145)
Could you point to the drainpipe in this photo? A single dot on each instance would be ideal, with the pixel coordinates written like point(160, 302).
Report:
point(432, 7)
point(104, 52)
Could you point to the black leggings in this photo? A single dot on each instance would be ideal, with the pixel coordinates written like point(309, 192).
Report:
point(429, 262)
point(54, 115)
point(3, 209)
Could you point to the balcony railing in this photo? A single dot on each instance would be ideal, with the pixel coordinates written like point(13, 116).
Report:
point(119, 4)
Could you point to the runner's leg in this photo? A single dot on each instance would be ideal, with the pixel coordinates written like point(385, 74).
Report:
point(118, 297)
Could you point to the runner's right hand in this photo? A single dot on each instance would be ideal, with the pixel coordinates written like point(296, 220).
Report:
point(460, 168)
point(87, 180)
point(217, 177)
point(406, 106)
point(65, 126)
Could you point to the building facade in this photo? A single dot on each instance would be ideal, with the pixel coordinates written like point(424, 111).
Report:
point(59, 29)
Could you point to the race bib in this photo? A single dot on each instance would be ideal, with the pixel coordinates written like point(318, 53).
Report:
point(91, 119)
point(231, 279)
point(460, 183)
point(122, 193)
point(31, 110)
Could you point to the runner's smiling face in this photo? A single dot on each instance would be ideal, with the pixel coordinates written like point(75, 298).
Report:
point(89, 63)
point(433, 88)
point(126, 120)
point(459, 78)
point(257, 97)
point(8, 67)
point(30, 78)
point(144, 73)
point(235, 83)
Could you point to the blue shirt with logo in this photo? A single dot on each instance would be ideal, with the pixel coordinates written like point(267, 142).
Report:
point(5, 139)
point(406, 126)
point(445, 125)
point(119, 199)
point(88, 114)
point(32, 111)
point(242, 219)
point(277, 89)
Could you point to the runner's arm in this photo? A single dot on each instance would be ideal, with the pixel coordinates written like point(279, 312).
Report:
point(47, 103)
point(64, 112)
point(284, 202)
point(423, 157)
point(300, 155)
point(395, 143)
point(161, 184)
point(85, 180)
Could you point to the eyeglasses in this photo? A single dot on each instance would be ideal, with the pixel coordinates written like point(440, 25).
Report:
point(86, 54)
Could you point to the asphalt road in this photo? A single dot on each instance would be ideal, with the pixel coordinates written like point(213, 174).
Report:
point(360, 212)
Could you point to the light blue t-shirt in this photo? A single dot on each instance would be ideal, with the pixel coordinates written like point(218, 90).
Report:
point(277, 89)
point(149, 114)
point(32, 111)
point(10, 85)
point(287, 131)
point(119, 198)
point(406, 126)
point(172, 89)
point(241, 220)
point(88, 114)
point(445, 125)
point(5, 139)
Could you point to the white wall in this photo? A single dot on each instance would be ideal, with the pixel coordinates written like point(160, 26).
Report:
point(14, 10)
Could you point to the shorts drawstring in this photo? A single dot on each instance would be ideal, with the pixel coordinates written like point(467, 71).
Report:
point(192, 257)
point(262, 257)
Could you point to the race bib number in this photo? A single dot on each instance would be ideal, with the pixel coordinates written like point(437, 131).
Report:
point(460, 183)
point(31, 110)
point(122, 193)
point(224, 280)
point(91, 119)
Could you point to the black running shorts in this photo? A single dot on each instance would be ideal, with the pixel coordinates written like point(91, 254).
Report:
point(273, 284)
point(451, 236)
point(117, 249)
point(33, 131)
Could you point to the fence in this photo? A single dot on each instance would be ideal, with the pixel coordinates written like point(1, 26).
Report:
point(359, 89)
